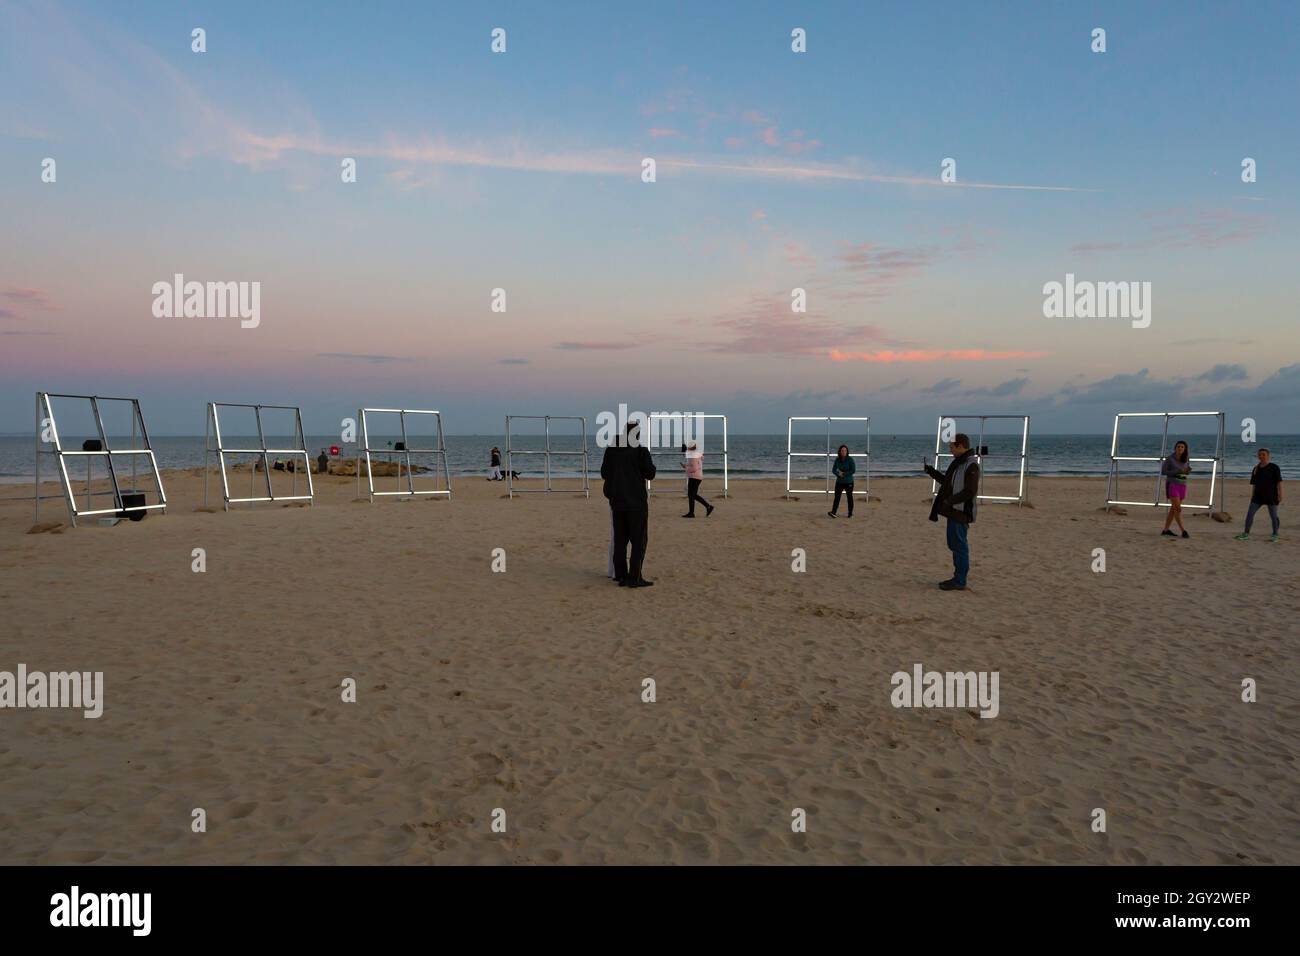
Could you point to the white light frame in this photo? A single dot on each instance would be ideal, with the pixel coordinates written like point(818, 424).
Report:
point(364, 451)
point(791, 454)
point(1019, 497)
point(212, 430)
point(726, 480)
point(61, 455)
point(547, 452)
point(1216, 463)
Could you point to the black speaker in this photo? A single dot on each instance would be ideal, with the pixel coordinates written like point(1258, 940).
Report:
point(132, 500)
point(399, 446)
point(92, 444)
point(984, 450)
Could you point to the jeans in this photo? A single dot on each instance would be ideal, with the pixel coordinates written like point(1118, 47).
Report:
point(842, 487)
point(960, 548)
point(1272, 513)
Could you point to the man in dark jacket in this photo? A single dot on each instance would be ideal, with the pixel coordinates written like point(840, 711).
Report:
point(959, 489)
point(626, 467)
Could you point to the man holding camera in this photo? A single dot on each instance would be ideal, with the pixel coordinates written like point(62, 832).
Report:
point(956, 501)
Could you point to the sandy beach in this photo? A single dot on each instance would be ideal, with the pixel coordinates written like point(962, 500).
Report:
point(523, 690)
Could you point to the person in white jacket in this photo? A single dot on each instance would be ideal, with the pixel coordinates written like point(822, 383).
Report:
point(694, 465)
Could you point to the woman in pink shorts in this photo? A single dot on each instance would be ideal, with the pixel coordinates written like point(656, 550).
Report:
point(1175, 470)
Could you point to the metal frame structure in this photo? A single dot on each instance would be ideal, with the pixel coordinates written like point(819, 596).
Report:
point(364, 451)
point(547, 452)
point(791, 454)
point(138, 432)
point(1216, 463)
point(726, 481)
point(939, 453)
point(212, 429)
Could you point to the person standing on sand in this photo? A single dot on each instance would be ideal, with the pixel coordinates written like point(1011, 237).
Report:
point(958, 495)
point(694, 466)
point(625, 468)
point(323, 463)
point(1265, 492)
point(843, 467)
point(611, 571)
point(1175, 469)
point(496, 465)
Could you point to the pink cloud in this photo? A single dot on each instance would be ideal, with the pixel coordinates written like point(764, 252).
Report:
point(657, 132)
point(594, 346)
point(1185, 229)
point(766, 325)
point(798, 149)
point(797, 254)
point(870, 270)
point(770, 136)
point(30, 298)
point(889, 356)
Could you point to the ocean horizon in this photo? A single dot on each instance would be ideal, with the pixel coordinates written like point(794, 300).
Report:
point(749, 456)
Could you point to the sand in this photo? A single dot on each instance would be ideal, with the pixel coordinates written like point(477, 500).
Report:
point(523, 690)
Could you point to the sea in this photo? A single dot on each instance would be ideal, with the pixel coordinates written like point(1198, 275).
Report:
point(748, 456)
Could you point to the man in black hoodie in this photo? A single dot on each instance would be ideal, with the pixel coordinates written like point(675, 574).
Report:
point(959, 489)
point(626, 467)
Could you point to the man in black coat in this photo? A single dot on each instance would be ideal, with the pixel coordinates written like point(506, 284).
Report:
point(626, 467)
point(956, 500)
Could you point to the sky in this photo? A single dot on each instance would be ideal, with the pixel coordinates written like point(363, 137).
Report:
point(774, 171)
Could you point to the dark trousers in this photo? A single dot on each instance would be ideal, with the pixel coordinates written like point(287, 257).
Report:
point(630, 527)
point(842, 487)
point(959, 545)
point(693, 493)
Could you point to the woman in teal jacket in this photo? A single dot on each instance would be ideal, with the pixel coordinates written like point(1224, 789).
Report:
point(843, 468)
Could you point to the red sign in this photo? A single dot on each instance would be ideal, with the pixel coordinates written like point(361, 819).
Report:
point(334, 450)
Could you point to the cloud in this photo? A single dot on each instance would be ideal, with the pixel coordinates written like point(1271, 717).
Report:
point(1187, 229)
point(1282, 386)
point(1213, 341)
point(1005, 389)
point(1224, 373)
point(25, 299)
point(359, 357)
point(1137, 391)
point(942, 386)
point(512, 361)
point(765, 325)
point(658, 132)
point(1089, 247)
point(129, 88)
point(868, 270)
point(931, 355)
point(595, 346)
point(799, 148)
